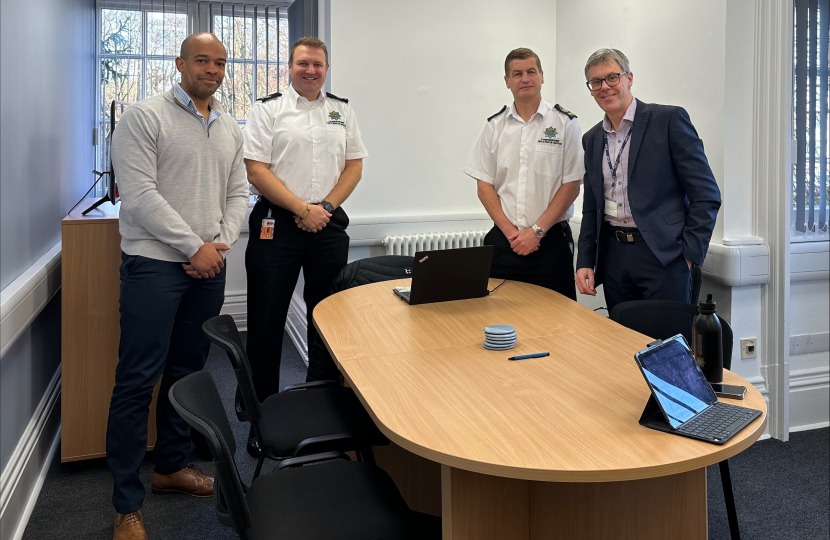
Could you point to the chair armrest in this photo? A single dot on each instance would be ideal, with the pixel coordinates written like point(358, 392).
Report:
point(309, 385)
point(312, 458)
point(306, 446)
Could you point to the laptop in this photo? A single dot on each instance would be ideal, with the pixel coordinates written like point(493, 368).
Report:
point(682, 401)
point(448, 274)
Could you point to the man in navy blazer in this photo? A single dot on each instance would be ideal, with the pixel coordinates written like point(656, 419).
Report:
point(650, 199)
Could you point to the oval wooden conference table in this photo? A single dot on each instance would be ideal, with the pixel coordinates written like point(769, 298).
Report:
point(530, 449)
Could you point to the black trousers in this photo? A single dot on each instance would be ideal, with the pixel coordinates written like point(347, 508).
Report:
point(162, 311)
point(273, 268)
point(633, 272)
point(552, 266)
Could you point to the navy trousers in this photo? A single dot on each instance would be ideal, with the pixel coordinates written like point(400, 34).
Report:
point(162, 311)
point(633, 272)
point(273, 268)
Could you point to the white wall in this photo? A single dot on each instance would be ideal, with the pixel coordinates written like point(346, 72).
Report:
point(424, 76)
point(46, 155)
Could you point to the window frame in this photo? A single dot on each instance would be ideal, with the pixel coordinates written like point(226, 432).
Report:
point(199, 14)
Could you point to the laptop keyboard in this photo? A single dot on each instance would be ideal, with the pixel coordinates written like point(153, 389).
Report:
point(404, 293)
point(719, 422)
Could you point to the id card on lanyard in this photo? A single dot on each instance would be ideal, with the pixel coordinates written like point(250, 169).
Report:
point(612, 207)
point(266, 230)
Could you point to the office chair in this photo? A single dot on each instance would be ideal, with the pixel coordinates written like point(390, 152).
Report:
point(663, 319)
point(332, 497)
point(302, 419)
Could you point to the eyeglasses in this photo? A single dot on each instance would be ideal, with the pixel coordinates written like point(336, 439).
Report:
point(612, 79)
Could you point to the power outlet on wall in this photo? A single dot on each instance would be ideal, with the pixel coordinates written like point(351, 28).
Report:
point(748, 348)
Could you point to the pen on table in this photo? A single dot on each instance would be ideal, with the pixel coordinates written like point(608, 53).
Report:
point(531, 355)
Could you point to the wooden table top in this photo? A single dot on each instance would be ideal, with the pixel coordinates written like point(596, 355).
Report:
point(423, 374)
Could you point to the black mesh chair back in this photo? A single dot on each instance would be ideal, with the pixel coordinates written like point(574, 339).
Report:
point(659, 319)
point(305, 418)
point(662, 319)
point(197, 401)
point(223, 332)
point(316, 496)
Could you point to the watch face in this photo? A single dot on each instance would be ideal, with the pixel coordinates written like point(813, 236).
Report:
point(328, 206)
point(539, 231)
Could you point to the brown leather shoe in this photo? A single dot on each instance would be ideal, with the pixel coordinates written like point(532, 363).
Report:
point(129, 526)
point(189, 480)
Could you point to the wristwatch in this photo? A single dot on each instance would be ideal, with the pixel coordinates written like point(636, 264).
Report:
point(328, 206)
point(538, 231)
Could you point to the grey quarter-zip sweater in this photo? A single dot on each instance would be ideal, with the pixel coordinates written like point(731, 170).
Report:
point(181, 182)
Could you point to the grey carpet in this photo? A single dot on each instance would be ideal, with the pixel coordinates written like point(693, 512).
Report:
point(781, 489)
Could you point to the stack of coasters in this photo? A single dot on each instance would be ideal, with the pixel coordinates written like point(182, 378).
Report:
point(499, 337)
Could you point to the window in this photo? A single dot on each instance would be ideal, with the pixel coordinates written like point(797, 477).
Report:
point(810, 121)
point(257, 41)
point(140, 40)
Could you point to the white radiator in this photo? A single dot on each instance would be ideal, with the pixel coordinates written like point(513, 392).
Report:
point(408, 244)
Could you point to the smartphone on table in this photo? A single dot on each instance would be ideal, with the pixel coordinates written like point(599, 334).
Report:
point(732, 391)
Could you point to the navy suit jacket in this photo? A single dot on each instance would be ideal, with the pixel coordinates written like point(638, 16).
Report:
point(673, 194)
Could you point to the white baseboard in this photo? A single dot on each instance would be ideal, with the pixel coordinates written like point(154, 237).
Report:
point(24, 474)
point(236, 305)
point(297, 326)
point(809, 399)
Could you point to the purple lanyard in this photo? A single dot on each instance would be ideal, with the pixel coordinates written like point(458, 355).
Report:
point(613, 168)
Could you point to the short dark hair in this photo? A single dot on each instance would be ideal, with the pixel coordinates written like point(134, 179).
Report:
point(601, 56)
point(309, 41)
point(521, 54)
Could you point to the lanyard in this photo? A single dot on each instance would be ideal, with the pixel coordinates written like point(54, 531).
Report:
point(616, 164)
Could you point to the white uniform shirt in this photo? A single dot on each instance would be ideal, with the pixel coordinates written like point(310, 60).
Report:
point(305, 142)
point(527, 163)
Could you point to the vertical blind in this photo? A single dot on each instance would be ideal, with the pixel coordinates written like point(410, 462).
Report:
point(810, 111)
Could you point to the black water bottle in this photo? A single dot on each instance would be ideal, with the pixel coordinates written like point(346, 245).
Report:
point(707, 341)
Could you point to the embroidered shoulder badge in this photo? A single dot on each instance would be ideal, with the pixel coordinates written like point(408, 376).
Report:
point(275, 95)
point(332, 96)
point(564, 111)
point(504, 108)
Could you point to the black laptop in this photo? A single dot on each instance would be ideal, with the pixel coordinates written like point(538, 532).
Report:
point(682, 401)
point(448, 274)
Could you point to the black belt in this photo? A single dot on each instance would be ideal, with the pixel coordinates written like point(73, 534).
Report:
point(626, 235)
point(563, 225)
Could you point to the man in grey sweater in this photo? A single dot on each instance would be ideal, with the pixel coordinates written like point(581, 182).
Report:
point(184, 197)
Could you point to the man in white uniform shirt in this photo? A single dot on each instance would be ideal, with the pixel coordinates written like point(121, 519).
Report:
point(304, 156)
point(528, 163)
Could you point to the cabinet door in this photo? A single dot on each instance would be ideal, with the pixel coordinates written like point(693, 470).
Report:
point(91, 255)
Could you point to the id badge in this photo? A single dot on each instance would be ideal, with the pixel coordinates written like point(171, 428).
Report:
point(611, 208)
point(266, 231)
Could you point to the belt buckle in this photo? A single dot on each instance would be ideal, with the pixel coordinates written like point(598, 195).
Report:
point(624, 237)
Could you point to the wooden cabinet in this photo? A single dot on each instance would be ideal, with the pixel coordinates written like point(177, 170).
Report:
point(91, 255)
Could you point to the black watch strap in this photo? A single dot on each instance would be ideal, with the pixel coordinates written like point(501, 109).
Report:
point(328, 206)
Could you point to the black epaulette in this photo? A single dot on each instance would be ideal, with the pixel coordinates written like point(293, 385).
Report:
point(275, 95)
point(504, 108)
point(332, 96)
point(564, 111)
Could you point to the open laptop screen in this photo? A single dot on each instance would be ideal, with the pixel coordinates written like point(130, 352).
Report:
point(676, 381)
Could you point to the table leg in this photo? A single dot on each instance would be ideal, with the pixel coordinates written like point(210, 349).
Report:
point(477, 506)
